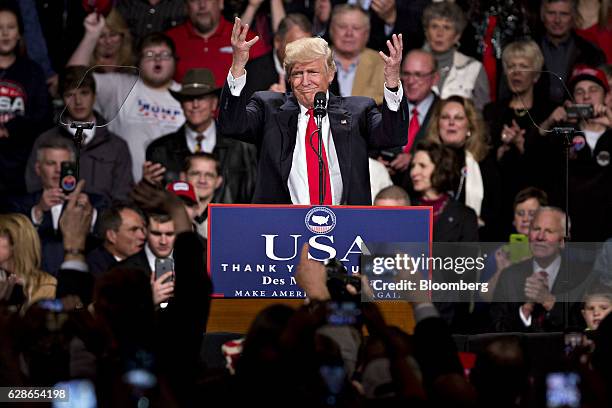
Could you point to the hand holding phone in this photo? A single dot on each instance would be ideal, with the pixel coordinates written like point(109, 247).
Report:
point(162, 281)
point(68, 177)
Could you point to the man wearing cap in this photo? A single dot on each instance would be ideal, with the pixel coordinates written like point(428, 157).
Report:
point(198, 97)
point(590, 175)
point(185, 191)
point(283, 128)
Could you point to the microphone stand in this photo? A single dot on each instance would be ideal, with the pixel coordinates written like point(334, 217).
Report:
point(567, 133)
point(319, 122)
point(78, 140)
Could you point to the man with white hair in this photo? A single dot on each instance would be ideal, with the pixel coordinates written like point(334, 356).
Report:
point(530, 295)
point(283, 126)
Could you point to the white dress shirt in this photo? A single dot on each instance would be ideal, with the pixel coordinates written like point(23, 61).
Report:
point(298, 175)
point(209, 141)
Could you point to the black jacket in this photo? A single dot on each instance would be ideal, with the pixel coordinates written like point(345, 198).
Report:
point(269, 120)
point(25, 101)
point(105, 163)
point(509, 297)
point(238, 164)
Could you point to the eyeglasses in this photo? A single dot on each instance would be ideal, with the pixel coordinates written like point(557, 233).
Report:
point(164, 55)
point(417, 75)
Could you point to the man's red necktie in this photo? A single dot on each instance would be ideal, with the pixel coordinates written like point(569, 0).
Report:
point(312, 162)
point(413, 129)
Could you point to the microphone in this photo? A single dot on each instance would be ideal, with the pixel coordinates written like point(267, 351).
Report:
point(320, 102)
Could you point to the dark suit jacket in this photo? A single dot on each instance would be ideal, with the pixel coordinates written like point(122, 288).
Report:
point(99, 261)
point(509, 296)
point(264, 74)
point(137, 261)
point(457, 223)
point(269, 120)
point(238, 164)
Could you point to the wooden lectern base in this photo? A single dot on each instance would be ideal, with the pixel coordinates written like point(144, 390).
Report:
point(236, 315)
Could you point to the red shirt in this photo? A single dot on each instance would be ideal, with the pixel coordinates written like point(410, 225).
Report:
point(601, 37)
point(214, 53)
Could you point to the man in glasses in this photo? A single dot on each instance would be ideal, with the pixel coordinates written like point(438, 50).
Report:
point(166, 156)
point(138, 109)
point(419, 74)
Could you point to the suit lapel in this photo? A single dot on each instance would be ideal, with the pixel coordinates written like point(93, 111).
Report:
point(340, 123)
point(286, 120)
point(423, 129)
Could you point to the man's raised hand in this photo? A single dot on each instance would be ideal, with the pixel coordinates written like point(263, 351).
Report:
point(240, 47)
point(393, 61)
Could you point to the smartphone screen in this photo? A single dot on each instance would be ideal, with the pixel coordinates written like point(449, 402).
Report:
point(68, 177)
point(562, 390)
point(81, 394)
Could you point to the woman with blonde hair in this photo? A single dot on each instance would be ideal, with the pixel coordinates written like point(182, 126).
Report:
point(521, 152)
point(20, 255)
point(455, 122)
point(111, 47)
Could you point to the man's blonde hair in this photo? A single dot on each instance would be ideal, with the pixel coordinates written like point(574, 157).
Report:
point(306, 50)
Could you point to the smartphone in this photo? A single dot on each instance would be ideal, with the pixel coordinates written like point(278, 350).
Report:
point(388, 155)
point(579, 111)
point(518, 247)
point(81, 394)
point(68, 177)
point(562, 390)
point(343, 314)
point(162, 266)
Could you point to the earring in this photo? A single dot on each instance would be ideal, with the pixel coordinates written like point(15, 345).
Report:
point(468, 134)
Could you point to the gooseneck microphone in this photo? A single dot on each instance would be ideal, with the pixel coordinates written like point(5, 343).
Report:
point(320, 103)
point(320, 110)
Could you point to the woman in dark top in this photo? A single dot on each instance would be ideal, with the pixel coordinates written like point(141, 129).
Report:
point(522, 154)
point(24, 102)
point(433, 172)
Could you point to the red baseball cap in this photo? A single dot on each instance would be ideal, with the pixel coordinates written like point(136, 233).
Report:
point(184, 190)
point(586, 73)
point(100, 6)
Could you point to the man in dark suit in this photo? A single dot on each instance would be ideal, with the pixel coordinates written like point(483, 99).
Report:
point(158, 246)
point(419, 74)
point(531, 295)
point(123, 229)
point(283, 127)
point(199, 99)
point(45, 206)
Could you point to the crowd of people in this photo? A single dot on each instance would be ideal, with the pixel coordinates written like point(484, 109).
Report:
point(121, 121)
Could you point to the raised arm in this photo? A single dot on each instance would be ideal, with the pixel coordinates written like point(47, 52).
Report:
point(393, 61)
point(240, 48)
point(94, 23)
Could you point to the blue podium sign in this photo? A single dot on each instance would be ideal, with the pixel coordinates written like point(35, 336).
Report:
point(253, 250)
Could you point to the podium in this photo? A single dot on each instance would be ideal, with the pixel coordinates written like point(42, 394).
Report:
point(253, 251)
